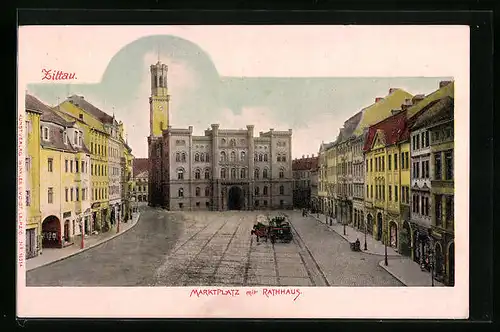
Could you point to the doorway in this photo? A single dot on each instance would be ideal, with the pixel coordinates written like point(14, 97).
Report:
point(379, 226)
point(451, 265)
point(235, 199)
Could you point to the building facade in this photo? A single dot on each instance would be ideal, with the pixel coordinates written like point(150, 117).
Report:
point(314, 188)
point(114, 168)
point(302, 169)
point(33, 112)
point(432, 217)
point(127, 183)
point(227, 169)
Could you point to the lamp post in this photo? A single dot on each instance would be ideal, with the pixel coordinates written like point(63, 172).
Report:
point(385, 248)
point(118, 223)
point(82, 225)
point(366, 248)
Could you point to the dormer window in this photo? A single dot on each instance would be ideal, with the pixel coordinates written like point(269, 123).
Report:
point(45, 133)
point(65, 136)
point(80, 138)
point(80, 116)
point(75, 138)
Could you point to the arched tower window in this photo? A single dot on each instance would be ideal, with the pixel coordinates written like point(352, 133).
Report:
point(233, 156)
point(207, 191)
point(223, 173)
point(207, 157)
point(207, 174)
point(197, 174)
point(242, 157)
point(233, 173)
point(282, 173)
point(260, 157)
point(222, 156)
point(178, 157)
point(256, 173)
point(197, 192)
point(161, 82)
point(202, 157)
point(265, 157)
point(257, 191)
point(264, 191)
point(264, 173)
point(282, 190)
point(156, 81)
point(183, 157)
point(197, 157)
point(243, 173)
point(180, 174)
point(180, 193)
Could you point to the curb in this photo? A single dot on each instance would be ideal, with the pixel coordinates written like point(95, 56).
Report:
point(89, 247)
point(401, 280)
point(347, 239)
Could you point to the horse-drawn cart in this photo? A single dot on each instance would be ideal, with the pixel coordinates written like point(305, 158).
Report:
point(278, 228)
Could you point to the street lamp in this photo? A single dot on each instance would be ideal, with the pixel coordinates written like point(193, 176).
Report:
point(385, 248)
point(432, 256)
point(117, 223)
point(366, 248)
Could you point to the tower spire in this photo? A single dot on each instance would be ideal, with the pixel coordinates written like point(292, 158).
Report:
point(158, 49)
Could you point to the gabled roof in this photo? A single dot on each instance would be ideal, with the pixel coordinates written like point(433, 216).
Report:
point(305, 164)
point(394, 129)
point(445, 91)
point(91, 109)
point(349, 127)
point(435, 112)
point(140, 165)
point(31, 103)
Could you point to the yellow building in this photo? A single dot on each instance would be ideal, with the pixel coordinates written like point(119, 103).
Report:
point(331, 178)
point(127, 185)
point(33, 109)
point(75, 108)
point(64, 185)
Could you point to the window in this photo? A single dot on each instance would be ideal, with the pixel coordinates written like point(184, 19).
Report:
point(243, 173)
point(282, 190)
point(371, 165)
point(265, 157)
point(83, 166)
point(178, 157)
point(222, 156)
point(426, 138)
point(390, 193)
point(264, 173)
point(242, 156)
point(389, 162)
point(257, 191)
point(202, 157)
point(264, 191)
point(28, 198)
point(256, 173)
point(65, 138)
point(448, 156)
point(223, 173)
point(71, 194)
point(367, 191)
point(207, 174)
point(383, 163)
point(438, 201)
point(66, 193)
point(255, 157)
point(180, 174)
point(449, 208)
point(71, 166)
point(371, 190)
point(45, 131)
point(395, 161)
point(183, 157)
point(197, 174)
point(28, 126)
point(180, 192)
point(437, 166)
point(283, 158)
point(197, 157)
point(76, 165)
point(197, 191)
point(207, 191)
point(233, 156)
point(260, 157)
point(207, 157)
point(402, 160)
point(367, 167)
point(77, 194)
point(395, 193)
point(50, 195)
point(233, 173)
point(50, 165)
point(265, 202)
point(282, 173)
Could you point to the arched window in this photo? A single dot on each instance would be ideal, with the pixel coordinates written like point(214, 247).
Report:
point(264, 191)
point(233, 142)
point(180, 174)
point(207, 191)
point(255, 157)
point(197, 191)
point(178, 157)
point(278, 158)
point(207, 157)
point(282, 173)
point(223, 141)
point(197, 174)
point(233, 173)
point(283, 158)
point(183, 158)
point(161, 82)
point(180, 193)
point(256, 173)
point(223, 173)
point(243, 173)
point(197, 157)
point(260, 157)
point(265, 157)
point(207, 174)
point(233, 156)
point(202, 157)
point(222, 156)
point(282, 190)
point(257, 191)
point(264, 173)
point(242, 156)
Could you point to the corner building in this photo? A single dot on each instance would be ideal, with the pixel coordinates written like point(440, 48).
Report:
point(225, 169)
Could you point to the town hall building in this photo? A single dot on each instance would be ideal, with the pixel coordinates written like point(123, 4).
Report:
point(224, 169)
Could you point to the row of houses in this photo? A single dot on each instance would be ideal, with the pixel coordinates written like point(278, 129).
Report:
point(390, 173)
point(78, 172)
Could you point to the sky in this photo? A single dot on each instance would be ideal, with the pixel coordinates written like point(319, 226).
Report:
point(307, 78)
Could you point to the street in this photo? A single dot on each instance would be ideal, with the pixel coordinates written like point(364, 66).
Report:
point(215, 248)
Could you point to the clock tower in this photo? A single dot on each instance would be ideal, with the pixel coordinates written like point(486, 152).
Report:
point(159, 100)
point(158, 117)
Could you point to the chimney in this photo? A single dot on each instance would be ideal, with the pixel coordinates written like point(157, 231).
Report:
point(417, 98)
point(378, 99)
point(444, 83)
point(407, 103)
point(391, 90)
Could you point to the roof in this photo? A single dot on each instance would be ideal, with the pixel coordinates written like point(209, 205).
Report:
point(91, 109)
point(381, 109)
point(445, 91)
point(394, 129)
point(33, 104)
point(349, 127)
point(142, 175)
point(140, 165)
point(435, 112)
point(305, 164)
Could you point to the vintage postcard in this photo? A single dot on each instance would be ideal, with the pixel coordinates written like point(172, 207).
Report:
point(243, 171)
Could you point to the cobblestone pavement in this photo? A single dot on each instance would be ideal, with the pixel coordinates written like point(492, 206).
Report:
point(215, 248)
point(332, 253)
